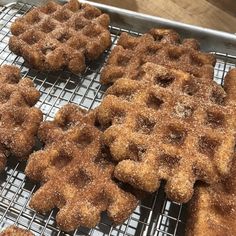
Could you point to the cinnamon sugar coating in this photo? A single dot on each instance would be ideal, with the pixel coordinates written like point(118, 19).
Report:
point(212, 210)
point(169, 125)
point(76, 173)
point(159, 46)
point(15, 231)
point(19, 120)
point(52, 37)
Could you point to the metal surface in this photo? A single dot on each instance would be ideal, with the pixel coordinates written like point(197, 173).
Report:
point(154, 216)
point(211, 40)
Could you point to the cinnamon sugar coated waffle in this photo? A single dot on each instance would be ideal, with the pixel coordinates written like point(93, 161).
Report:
point(212, 210)
point(53, 36)
point(15, 231)
point(19, 121)
point(159, 46)
point(169, 125)
point(75, 173)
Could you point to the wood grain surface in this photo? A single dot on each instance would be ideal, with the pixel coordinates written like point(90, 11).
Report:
point(215, 14)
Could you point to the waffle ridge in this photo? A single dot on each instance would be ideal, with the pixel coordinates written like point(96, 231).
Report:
point(19, 121)
point(52, 37)
point(159, 46)
point(169, 125)
point(75, 173)
point(212, 210)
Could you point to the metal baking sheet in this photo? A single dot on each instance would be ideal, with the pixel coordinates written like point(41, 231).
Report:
point(156, 215)
point(211, 40)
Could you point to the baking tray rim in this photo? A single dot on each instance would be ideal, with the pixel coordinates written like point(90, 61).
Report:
point(210, 39)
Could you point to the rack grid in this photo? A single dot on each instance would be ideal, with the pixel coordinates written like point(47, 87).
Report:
point(155, 215)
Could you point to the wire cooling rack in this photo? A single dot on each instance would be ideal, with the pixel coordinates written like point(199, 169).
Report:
point(154, 216)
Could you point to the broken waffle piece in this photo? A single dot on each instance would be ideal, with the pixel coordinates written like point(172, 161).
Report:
point(15, 231)
point(19, 120)
point(159, 46)
point(56, 36)
point(212, 210)
point(171, 126)
point(76, 173)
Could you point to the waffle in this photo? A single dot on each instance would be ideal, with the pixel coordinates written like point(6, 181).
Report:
point(75, 173)
point(19, 121)
point(15, 231)
point(159, 46)
point(169, 126)
point(212, 211)
point(52, 37)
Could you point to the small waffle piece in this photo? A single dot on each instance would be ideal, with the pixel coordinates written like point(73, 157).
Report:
point(169, 125)
point(53, 36)
point(159, 46)
point(76, 173)
point(212, 210)
point(15, 231)
point(19, 121)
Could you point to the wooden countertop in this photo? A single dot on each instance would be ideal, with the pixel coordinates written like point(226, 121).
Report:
point(215, 14)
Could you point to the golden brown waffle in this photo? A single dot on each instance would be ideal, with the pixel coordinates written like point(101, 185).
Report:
point(169, 126)
point(75, 173)
point(53, 36)
point(159, 46)
point(15, 231)
point(212, 211)
point(19, 121)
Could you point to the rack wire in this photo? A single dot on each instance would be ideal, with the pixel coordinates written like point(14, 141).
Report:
point(155, 215)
